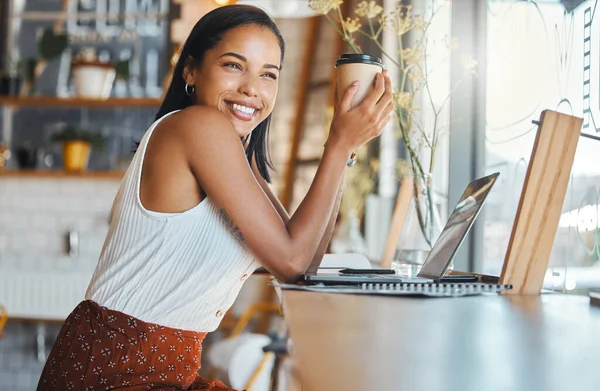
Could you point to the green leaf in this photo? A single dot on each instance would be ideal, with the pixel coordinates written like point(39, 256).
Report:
point(52, 44)
point(72, 133)
point(122, 69)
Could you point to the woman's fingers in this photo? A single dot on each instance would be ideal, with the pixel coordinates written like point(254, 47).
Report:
point(366, 121)
point(375, 94)
point(335, 97)
point(379, 97)
point(386, 116)
point(346, 102)
point(389, 92)
point(383, 122)
point(389, 109)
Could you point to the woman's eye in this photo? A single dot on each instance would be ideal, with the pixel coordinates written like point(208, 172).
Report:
point(232, 65)
point(271, 75)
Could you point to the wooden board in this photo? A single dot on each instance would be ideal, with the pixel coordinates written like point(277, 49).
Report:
point(53, 101)
point(61, 174)
point(541, 202)
point(398, 218)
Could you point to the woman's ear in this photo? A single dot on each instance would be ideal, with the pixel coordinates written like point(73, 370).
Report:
point(188, 70)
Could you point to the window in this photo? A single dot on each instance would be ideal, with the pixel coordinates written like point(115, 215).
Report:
point(541, 56)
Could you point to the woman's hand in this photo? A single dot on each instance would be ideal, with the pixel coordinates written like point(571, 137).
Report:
point(353, 127)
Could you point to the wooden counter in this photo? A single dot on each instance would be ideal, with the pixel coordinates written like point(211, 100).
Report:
point(484, 343)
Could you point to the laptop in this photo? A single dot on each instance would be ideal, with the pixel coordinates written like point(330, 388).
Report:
point(441, 255)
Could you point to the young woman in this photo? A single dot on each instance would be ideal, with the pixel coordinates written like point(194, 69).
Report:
point(194, 217)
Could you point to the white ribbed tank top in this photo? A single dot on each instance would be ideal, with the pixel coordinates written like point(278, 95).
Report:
point(181, 270)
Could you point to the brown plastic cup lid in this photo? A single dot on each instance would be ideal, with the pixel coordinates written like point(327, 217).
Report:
point(357, 58)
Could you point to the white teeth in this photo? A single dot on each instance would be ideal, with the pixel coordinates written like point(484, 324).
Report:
point(244, 109)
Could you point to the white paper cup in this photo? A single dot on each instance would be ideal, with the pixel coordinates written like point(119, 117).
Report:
point(361, 67)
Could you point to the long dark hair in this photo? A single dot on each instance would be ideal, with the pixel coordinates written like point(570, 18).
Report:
point(207, 32)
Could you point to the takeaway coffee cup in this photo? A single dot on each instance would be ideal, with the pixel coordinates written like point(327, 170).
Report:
point(361, 67)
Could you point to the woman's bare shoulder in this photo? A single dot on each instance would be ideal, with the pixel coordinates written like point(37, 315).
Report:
point(196, 128)
point(198, 118)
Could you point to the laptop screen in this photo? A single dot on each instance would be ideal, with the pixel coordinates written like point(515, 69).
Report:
point(460, 222)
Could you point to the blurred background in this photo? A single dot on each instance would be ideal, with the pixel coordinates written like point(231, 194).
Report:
point(81, 81)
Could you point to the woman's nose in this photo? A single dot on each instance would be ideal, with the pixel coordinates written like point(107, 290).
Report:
point(249, 86)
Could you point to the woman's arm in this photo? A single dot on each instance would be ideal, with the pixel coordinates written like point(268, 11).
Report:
point(283, 213)
point(218, 162)
point(322, 248)
point(318, 258)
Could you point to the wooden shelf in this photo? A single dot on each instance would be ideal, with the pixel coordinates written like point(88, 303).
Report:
point(61, 174)
point(35, 320)
point(52, 101)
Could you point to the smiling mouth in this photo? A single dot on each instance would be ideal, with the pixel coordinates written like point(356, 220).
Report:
point(244, 113)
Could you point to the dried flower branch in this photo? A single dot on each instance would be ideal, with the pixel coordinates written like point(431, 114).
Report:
point(324, 6)
point(368, 9)
point(352, 25)
point(412, 65)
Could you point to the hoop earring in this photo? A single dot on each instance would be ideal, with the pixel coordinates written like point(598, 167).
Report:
point(189, 91)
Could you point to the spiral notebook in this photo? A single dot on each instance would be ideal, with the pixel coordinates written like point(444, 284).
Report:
point(409, 289)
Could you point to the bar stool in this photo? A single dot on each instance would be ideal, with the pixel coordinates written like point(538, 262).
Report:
point(278, 348)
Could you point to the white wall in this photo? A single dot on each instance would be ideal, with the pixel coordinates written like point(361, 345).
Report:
point(37, 277)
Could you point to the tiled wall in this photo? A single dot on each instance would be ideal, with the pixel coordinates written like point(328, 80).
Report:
point(37, 276)
point(38, 279)
point(20, 367)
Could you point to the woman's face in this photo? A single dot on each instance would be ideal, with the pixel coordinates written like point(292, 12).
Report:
point(239, 76)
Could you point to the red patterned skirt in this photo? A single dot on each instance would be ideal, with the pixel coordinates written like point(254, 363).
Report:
point(101, 349)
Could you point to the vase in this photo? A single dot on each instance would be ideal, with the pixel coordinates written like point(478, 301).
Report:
point(421, 229)
point(378, 210)
point(349, 239)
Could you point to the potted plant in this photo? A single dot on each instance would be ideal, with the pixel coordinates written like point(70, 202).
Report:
point(51, 44)
point(93, 78)
point(76, 146)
